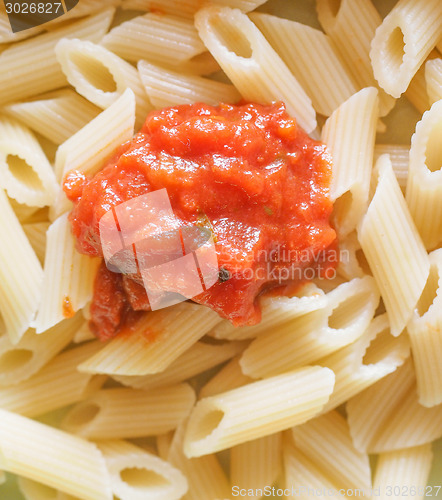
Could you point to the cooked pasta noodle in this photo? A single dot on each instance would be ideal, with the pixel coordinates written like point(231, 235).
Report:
point(181, 404)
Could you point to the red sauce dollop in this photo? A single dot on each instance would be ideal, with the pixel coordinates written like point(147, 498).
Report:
point(249, 172)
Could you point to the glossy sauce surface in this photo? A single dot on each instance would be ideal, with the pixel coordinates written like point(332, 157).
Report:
point(248, 173)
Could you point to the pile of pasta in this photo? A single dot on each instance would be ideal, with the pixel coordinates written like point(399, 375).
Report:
point(347, 369)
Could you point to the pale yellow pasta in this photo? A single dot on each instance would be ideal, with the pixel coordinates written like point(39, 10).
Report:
point(350, 141)
point(57, 384)
point(425, 333)
point(396, 419)
point(361, 364)
point(399, 157)
point(344, 318)
point(70, 463)
point(56, 115)
point(21, 274)
point(433, 79)
point(351, 25)
point(122, 412)
point(275, 419)
point(252, 65)
point(32, 490)
point(166, 87)
point(312, 58)
point(416, 91)
point(84, 333)
point(229, 377)
point(26, 173)
point(30, 67)
point(133, 353)
point(205, 476)
point(424, 185)
point(20, 361)
point(36, 234)
point(256, 464)
point(299, 470)
point(93, 144)
point(197, 359)
point(101, 76)
point(136, 474)
point(7, 36)
point(163, 442)
point(158, 38)
point(393, 248)
point(275, 312)
point(257, 410)
point(327, 442)
point(68, 277)
point(402, 42)
point(186, 8)
point(403, 470)
point(83, 8)
point(24, 213)
point(351, 264)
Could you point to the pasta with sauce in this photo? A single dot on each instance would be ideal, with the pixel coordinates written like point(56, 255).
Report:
point(336, 369)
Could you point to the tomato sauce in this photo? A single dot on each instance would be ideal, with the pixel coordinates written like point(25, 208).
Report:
point(246, 171)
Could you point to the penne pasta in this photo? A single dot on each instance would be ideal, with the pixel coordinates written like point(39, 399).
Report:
point(19, 361)
point(56, 385)
point(349, 309)
point(403, 41)
point(21, 275)
point(26, 173)
point(399, 157)
point(416, 91)
point(257, 410)
point(186, 8)
point(166, 87)
point(252, 65)
point(30, 67)
point(100, 76)
point(397, 471)
point(326, 442)
point(68, 277)
point(324, 78)
point(397, 420)
point(433, 79)
point(275, 312)
point(128, 413)
point(361, 364)
point(89, 148)
point(36, 234)
point(159, 38)
point(298, 469)
point(256, 464)
point(155, 342)
point(352, 263)
point(31, 490)
point(177, 403)
point(136, 474)
point(425, 333)
point(424, 184)
point(351, 26)
point(197, 359)
point(393, 248)
point(351, 141)
point(205, 476)
point(70, 464)
point(229, 377)
point(56, 115)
